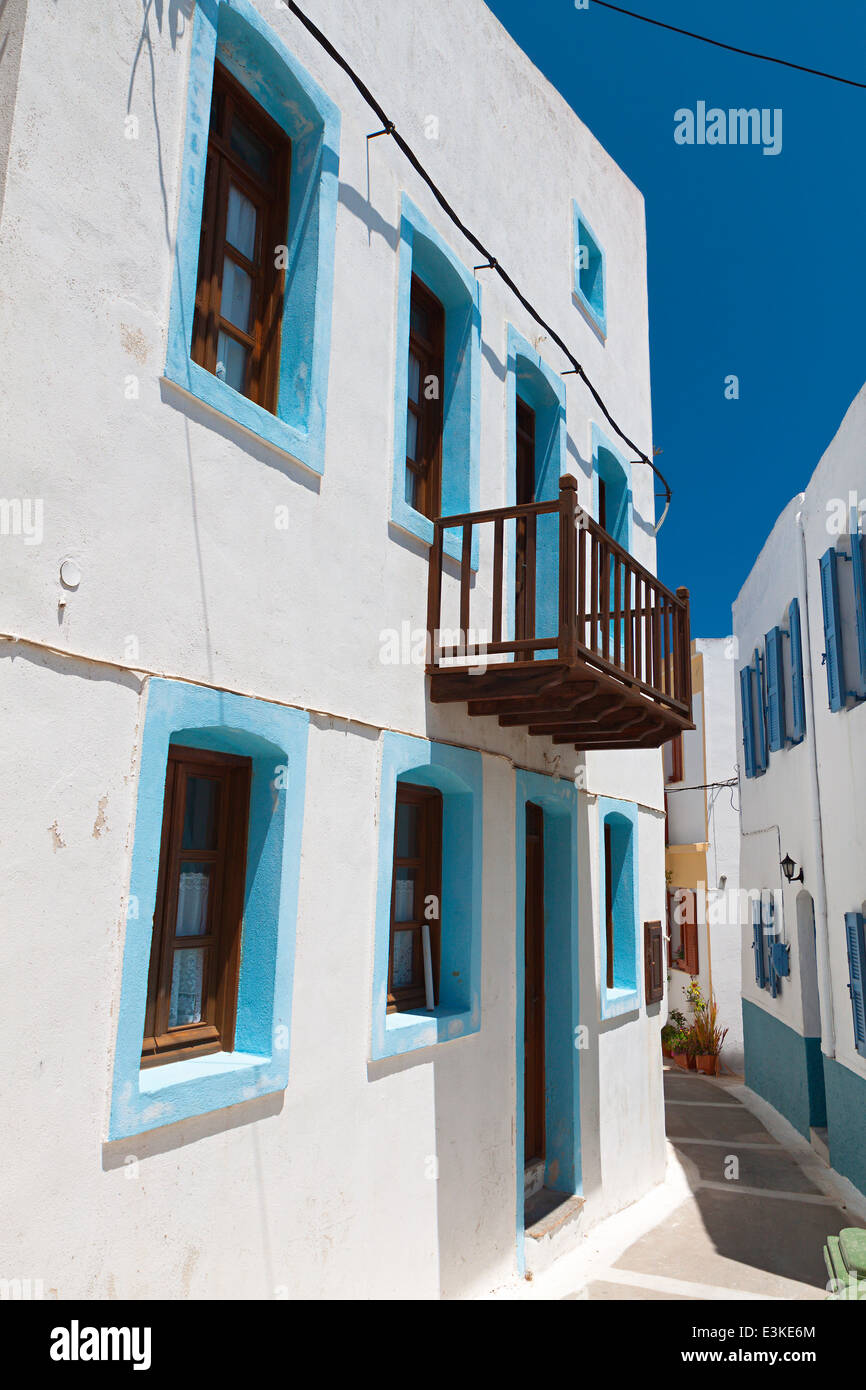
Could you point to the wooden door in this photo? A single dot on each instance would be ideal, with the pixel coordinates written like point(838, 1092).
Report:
point(524, 573)
point(533, 1035)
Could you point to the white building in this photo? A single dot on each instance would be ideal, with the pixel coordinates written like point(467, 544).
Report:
point(249, 1051)
point(702, 851)
point(800, 624)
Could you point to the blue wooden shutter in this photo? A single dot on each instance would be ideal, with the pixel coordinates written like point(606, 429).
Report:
point(748, 722)
point(758, 945)
point(798, 696)
point(769, 934)
point(760, 715)
point(858, 554)
point(856, 967)
point(775, 690)
point(832, 629)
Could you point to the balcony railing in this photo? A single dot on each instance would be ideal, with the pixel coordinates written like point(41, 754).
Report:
point(572, 636)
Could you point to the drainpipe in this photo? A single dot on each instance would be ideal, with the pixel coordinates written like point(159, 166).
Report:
point(822, 935)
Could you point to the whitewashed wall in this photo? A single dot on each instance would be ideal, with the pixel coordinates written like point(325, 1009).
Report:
point(169, 513)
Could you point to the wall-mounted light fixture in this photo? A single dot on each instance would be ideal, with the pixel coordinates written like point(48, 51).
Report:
point(788, 867)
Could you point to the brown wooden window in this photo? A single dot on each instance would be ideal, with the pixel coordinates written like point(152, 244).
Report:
point(195, 954)
point(608, 902)
point(683, 930)
point(415, 896)
point(654, 972)
point(674, 760)
point(426, 384)
point(239, 298)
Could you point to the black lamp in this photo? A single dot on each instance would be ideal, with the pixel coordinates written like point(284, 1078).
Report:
point(788, 867)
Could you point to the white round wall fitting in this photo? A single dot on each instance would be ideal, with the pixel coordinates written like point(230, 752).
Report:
point(70, 574)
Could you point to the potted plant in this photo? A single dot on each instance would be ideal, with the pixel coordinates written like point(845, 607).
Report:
point(673, 1028)
point(708, 1038)
point(679, 1050)
point(691, 1047)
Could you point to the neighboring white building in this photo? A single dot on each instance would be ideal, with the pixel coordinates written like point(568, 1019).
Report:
point(215, 564)
point(702, 852)
point(800, 624)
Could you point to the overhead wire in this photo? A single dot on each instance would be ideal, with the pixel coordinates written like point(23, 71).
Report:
point(490, 261)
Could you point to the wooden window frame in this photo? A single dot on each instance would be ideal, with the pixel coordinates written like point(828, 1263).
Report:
point(654, 974)
point(427, 469)
point(689, 962)
point(428, 881)
point(271, 198)
point(216, 1030)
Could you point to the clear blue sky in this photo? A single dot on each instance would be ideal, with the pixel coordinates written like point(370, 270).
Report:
point(757, 263)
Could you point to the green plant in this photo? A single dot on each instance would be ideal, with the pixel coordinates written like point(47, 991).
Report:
point(678, 1019)
point(707, 1036)
point(678, 1041)
point(669, 1032)
point(694, 994)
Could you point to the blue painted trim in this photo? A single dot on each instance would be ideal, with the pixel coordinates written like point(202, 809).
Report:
point(529, 376)
point(424, 253)
point(255, 55)
point(558, 800)
point(625, 996)
point(595, 308)
point(459, 775)
point(783, 1067)
point(846, 1120)
point(273, 737)
point(616, 471)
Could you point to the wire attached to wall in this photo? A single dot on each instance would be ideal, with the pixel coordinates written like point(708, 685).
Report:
point(490, 261)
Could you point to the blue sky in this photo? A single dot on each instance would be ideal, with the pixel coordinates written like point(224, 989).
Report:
point(757, 263)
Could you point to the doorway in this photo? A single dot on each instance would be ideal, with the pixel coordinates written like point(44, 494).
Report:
point(533, 1018)
point(524, 570)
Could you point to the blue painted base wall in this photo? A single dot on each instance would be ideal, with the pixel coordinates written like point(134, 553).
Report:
point(783, 1068)
point(846, 1121)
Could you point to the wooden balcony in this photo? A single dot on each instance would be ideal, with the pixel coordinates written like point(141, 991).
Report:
point(598, 651)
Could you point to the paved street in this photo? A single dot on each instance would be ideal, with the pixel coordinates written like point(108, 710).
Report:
point(758, 1234)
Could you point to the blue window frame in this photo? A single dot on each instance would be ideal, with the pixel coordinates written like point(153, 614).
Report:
point(858, 557)
point(458, 774)
point(747, 718)
point(856, 942)
point(275, 738)
point(234, 32)
point(590, 272)
point(541, 388)
point(832, 630)
point(760, 707)
point(775, 690)
point(622, 819)
point(613, 471)
point(424, 253)
point(798, 693)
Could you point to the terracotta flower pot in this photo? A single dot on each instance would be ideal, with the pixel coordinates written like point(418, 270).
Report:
point(693, 1063)
point(667, 1051)
point(707, 1064)
point(681, 1059)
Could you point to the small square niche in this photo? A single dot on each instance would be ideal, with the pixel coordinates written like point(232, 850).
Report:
point(589, 272)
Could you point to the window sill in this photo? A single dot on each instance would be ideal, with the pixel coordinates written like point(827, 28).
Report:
point(405, 1032)
point(405, 518)
point(619, 1000)
point(195, 1086)
point(199, 385)
point(596, 321)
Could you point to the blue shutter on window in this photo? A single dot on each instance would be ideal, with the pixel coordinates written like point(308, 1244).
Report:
point(760, 715)
point(748, 723)
point(856, 967)
point(775, 690)
point(798, 696)
point(769, 932)
point(858, 555)
point(758, 945)
point(832, 629)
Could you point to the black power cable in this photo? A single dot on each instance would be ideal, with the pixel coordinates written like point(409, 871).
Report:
point(717, 43)
point(490, 261)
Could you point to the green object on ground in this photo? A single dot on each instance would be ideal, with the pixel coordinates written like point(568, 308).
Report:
point(845, 1258)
